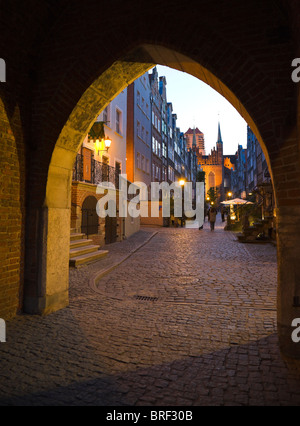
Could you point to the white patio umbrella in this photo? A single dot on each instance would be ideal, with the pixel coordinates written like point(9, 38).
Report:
point(236, 201)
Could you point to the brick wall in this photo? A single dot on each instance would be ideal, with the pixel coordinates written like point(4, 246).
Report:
point(12, 214)
point(80, 192)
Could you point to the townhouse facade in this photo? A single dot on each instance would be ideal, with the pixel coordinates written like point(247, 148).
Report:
point(98, 166)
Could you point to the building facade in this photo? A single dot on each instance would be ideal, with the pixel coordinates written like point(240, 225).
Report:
point(96, 167)
point(156, 134)
point(138, 153)
point(258, 179)
point(239, 181)
point(194, 138)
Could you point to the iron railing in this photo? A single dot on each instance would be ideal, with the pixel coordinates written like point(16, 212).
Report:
point(100, 172)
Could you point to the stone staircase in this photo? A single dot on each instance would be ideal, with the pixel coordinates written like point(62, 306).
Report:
point(83, 251)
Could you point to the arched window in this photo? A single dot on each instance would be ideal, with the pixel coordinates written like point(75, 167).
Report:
point(211, 180)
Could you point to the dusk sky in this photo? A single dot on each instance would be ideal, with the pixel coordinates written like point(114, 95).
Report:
point(197, 104)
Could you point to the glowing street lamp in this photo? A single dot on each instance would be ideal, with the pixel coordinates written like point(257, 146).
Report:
point(107, 143)
point(182, 183)
point(97, 135)
point(229, 194)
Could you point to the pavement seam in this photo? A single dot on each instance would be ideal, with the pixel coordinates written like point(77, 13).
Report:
point(100, 274)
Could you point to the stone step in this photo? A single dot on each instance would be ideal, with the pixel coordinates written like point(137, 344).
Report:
point(87, 258)
point(74, 237)
point(80, 243)
point(79, 251)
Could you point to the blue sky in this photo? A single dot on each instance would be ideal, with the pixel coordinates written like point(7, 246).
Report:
point(197, 104)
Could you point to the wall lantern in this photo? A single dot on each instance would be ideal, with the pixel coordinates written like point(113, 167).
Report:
point(98, 137)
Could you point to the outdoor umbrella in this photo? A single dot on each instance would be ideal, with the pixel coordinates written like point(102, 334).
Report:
point(236, 201)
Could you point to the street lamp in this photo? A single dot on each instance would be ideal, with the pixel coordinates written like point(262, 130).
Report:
point(182, 183)
point(229, 195)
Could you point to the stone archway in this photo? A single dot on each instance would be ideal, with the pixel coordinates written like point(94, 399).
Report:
point(56, 210)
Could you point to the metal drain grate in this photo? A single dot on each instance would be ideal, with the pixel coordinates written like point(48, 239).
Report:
point(146, 298)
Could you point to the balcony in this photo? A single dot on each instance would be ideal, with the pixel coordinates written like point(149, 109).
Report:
point(93, 172)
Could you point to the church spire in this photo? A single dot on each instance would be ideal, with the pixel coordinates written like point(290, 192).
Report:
point(219, 134)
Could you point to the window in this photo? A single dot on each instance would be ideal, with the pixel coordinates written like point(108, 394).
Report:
point(164, 177)
point(138, 129)
point(118, 168)
point(118, 122)
point(138, 96)
point(156, 172)
point(164, 153)
point(143, 164)
point(138, 160)
point(147, 166)
point(106, 115)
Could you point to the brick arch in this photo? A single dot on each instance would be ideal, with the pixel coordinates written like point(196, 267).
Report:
point(242, 49)
point(56, 210)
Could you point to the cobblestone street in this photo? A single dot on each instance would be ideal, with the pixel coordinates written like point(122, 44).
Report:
point(172, 317)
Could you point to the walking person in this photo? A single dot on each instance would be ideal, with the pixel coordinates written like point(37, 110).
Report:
point(223, 214)
point(212, 218)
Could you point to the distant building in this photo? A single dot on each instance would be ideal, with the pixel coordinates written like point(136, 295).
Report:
point(195, 137)
point(239, 184)
point(258, 179)
point(213, 166)
point(229, 169)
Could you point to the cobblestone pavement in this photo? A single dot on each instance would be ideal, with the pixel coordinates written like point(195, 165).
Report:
point(188, 319)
